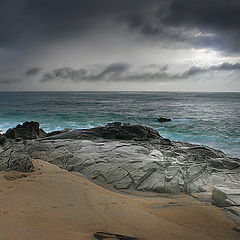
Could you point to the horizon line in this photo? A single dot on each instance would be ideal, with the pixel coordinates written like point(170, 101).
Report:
point(190, 91)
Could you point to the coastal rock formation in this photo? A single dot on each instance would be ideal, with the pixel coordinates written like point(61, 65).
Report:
point(141, 165)
point(112, 131)
point(28, 130)
point(131, 157)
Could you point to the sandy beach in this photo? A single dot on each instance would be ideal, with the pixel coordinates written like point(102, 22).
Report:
point(54, 204)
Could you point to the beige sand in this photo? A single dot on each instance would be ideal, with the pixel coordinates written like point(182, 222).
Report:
point(53, 204)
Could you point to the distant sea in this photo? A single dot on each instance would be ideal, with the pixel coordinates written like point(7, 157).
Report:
point(211, 119)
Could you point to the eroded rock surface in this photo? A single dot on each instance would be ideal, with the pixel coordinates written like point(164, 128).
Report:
point(14, 157)
point(111, 131)
point(130, 157)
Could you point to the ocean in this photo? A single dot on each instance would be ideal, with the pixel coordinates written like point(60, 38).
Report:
point(211, 119)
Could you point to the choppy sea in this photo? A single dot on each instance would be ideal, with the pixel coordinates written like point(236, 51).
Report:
point(211, 119)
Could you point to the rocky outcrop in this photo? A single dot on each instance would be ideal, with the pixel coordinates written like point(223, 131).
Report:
point(111, 131)
point(132, 157)
point(162, 119)
point(150, 165)
point(28, 130)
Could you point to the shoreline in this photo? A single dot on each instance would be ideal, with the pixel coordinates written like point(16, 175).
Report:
point(206, 114)
point(131, 160)
point(71, 207)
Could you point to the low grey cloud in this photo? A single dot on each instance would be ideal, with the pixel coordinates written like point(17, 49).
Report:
point(33, 71)
point(95, 73)
point(9, 81)
point(112, 72)
point(124, 72)
point(193, 71)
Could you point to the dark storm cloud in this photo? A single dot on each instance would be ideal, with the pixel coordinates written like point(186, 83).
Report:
point(221, 18)
point(37, 22)
point(33, 71)
point(26, 20)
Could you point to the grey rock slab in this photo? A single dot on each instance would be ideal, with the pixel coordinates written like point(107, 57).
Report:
point(154, 182)
point(114, 155)
point(225, 197)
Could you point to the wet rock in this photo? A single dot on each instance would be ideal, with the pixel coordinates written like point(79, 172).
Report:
point(28, 130)
point(162, 119)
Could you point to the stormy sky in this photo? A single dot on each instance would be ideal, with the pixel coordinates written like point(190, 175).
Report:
point(151, 45)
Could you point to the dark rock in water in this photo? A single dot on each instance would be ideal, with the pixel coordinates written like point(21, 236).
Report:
point(28, 130)
point(112, 131)
point(164, 119)
point(104, 235)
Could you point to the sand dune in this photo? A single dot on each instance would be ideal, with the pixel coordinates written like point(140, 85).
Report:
point(53, 204)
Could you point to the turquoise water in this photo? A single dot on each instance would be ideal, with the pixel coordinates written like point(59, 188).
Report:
point(211, 119)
